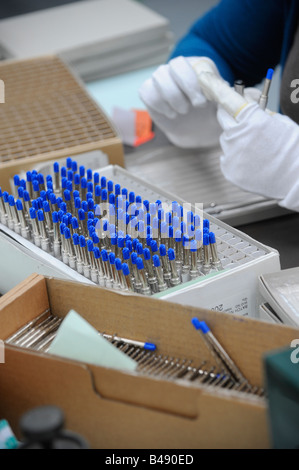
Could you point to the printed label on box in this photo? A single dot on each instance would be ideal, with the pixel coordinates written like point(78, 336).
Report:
point(238, 305)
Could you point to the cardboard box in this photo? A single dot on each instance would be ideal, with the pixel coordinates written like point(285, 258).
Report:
point(117, 410)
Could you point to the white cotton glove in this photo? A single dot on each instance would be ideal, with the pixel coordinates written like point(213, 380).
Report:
point(260, 149)
point(177, 105)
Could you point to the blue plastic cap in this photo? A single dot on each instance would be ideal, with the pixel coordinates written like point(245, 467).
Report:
point(40, 215)
point(11, 200)
point(104, 255)
point(29, 176)
point(198, 235)
point(124, 192)
point(206, 223)
point(131, 197)
point(35, 185)
point(63, 183)
point(134, 257)
point(121, 242)
point(269, 74)
point(117, 189)
point(129, 245)
point(32, 213)
point(112, 199)
point(55, 217)
point(40, 178)
point(76, 193)
point(164, 227)
point(183, 227)
point(67, 195)
point(158, 203)
point(105, 225)
point(178, 236)
point(23, 182)
point(75, 223)
point(97, 191)
point(34, 173)
point(90, 187)
point(19, 205)
point(190, 230)
point(81, 214)
point(171, 254)
point(168, 217)
point(206, 239)
point(70, 175)
point(139, 263)
point(118, 264)
point(193, 245)
point(125, 268)
point(212, 238)
point(65, 219)
point(90, 215)
point(104, 195)
point(43, 195)
point(175, 222)
point(60, 214)
point(150, 346)
point(95, 238)
point(155, 223)
point(146, 205)
point(206, 230)
point(69, 162)
point(5, 196)
point(77, 202)
point(126, 253)
point(175, 206)
point(84, 206)
point(89, 245)
point(63, 206)
point(154, 246)
point(77, 179)
point(162, 250)
point(83, 183)
point(67, 233)
point(82, 241)
point(50, 185)
point(97, 253)
point(152, 208)
point(82, 170)
point(46, 206)
point(140, 226)
point(96, 177)
point(90, 204)
point(74, 166)
point(147, 254)
point(16, 180)
point(185, 240)
point(62, 228)
point(156, 261)
point(76, 239)
point(139, 248)
point(56, 167)
point(89, 195)
point(170, 231)
point(196, 220)
point(20, 192)
point(103, 182)
point(138, 199)
point(161, 214)
point(89, 174)
point(200, 325)
point(59, 200)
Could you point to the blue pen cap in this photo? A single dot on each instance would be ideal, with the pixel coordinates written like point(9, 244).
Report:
point(117, 189)
point(75, 223)
point(139, 263)
point(82, 171)
point(29, 176)
point(183, 227)
point(55, 217)
point(77, 179)
point(170, 231)
point(67, 195)
point(104, 195)
point(139, 248)
point(129, 245)
point(95, 238)
point(156, 261)
point(63, 182)
point(60, 215)
point(121, 242)
point(168, 218)
point(59, 200)
point(84, 206)
point(150, 346)
point(111, 199)
point(164, 228)
point(90, 204)
point(90, 245)
point(103, 182)
point(162, 250)
point(171, 254)
point(146, 205)
point(125, 268)
point(191, 230)
point(16, 180)
point(113, 239)
point(23, 183)
point(96, 252)
point(97, 191)
point(140, 215)
point(153, 208)
point(178, 236)
point(43, 195)
point(76, 193)
point(77, 203)
point(124, 193)
point(90, 187)
point(90, 215)
point(5, 196)
point(185, 241)
point(161, 214)
point(158, 203)
point(176, 222)
point(19, 204)
point(138, 199)
point(118, 264)
point(206, 223)
point(35, 185)
point(111, 257)
point(190, 217)
point(175, 207)
point(63, 206)
point(89, 195)
point(155, 223)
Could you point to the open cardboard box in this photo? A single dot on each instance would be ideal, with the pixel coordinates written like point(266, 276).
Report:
point(119, 410)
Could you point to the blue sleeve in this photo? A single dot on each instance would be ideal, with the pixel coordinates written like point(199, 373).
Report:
point(243, 37)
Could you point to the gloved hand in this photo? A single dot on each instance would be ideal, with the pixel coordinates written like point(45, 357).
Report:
point(260, 149)
point(177, 105)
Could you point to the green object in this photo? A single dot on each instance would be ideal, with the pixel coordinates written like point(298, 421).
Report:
point(282, 388)
point(7, 437)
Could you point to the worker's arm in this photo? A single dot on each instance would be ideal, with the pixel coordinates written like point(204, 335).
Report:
point(242, 37)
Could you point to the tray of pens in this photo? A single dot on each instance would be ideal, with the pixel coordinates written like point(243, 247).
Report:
point(114, 229)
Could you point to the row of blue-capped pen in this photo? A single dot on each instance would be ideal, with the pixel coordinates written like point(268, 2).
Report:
point(108, 234)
